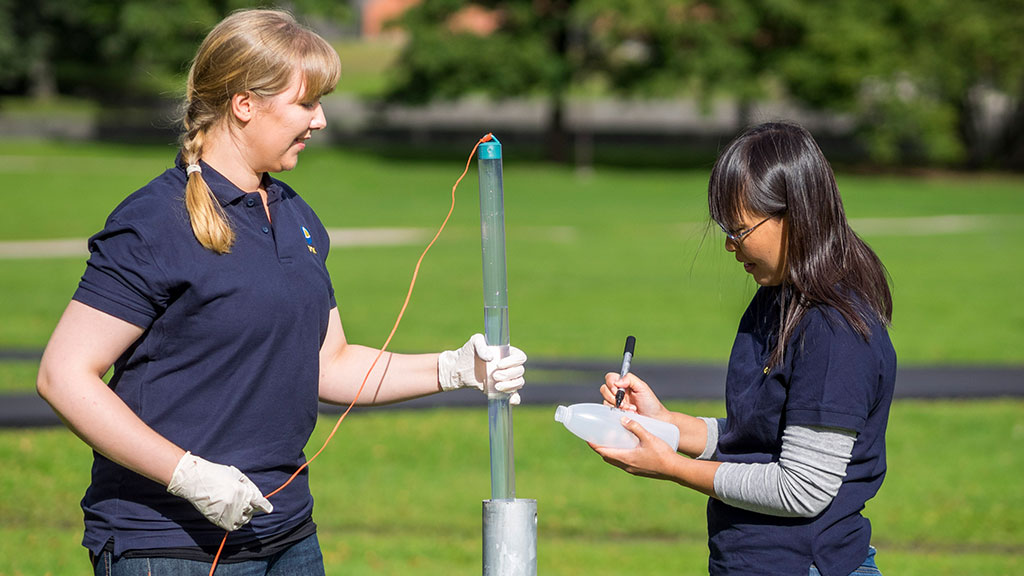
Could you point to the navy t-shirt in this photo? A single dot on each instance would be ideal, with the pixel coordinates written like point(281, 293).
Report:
point(228, 364)
point(831, 376)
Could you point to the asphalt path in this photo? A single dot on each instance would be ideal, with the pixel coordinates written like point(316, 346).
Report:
point(552, 382)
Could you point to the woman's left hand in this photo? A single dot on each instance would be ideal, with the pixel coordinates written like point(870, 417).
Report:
point(652, 458)
point(480, 366)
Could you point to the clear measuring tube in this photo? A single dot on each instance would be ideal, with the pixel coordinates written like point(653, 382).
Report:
point(492, 235)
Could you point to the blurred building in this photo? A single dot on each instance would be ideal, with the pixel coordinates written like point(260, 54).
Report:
point(374, 16)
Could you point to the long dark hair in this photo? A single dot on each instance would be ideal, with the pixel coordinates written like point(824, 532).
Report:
point(776, 169)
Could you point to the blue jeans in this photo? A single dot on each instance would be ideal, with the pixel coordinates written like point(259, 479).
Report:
point(303, 559)
point(868, 568)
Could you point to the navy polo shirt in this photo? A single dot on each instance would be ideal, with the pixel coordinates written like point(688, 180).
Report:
point(228, 365)
point(830, 376)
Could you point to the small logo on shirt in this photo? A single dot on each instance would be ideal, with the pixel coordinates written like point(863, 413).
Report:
point(309, 240)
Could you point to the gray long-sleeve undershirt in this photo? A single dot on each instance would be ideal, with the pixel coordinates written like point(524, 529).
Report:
point(810, 470)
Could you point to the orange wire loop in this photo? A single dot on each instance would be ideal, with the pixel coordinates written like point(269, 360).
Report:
point(412, 284)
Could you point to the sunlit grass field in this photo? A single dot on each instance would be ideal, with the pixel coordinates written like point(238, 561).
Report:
point(591, 258)
point(399, 492)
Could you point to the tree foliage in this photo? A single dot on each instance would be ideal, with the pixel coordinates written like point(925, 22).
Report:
point(953, 67)
point(522, 51)
point(939, 81)
point(443, 60)
point(912, 74)
point(109, 49)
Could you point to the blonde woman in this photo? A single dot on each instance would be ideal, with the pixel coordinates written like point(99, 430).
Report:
point(207, 292)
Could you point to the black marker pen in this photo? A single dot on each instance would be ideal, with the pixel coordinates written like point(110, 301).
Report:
point(627, 357)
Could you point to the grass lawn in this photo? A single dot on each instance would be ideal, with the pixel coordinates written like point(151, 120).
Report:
point(399, 492)
point(591, 259)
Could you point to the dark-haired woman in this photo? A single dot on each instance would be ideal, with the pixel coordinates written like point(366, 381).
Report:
point(810, 377)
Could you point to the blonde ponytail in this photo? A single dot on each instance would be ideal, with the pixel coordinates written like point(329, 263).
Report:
point(253, 51)
point(209, 221)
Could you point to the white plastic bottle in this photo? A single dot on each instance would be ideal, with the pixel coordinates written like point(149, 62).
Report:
point(602, 425)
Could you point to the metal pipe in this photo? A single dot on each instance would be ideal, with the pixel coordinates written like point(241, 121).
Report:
point(509, 524)
point(510, 537)
point(492, 235)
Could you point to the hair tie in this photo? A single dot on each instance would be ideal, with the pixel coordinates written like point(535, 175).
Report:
point(192, 168)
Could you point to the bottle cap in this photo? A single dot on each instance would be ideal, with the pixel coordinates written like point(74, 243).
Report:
point(561, 414)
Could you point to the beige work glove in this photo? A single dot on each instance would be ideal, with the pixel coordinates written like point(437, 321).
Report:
point(221, 493)
point(480, 366)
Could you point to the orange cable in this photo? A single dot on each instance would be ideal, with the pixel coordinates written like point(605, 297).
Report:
point(408, 295)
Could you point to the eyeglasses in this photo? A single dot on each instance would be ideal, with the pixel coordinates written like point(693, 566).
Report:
point(739, 236)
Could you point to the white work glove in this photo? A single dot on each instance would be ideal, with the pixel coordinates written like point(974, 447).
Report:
point(480, 366)
point(221, 493)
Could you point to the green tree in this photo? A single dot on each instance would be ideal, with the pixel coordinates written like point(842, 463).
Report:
point(912, 74)
point(112, 49)
point(817, 53)
point(919, 78)
point(956, 60)
point(97, 48)
point(528, 53)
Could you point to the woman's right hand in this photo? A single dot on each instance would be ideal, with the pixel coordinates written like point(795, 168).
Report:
point(638, 398)
point(221, 493)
